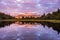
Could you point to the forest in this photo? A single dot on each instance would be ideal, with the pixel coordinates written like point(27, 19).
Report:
point(51, 16)
point(5, 16)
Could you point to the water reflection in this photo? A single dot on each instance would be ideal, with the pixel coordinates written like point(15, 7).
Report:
point(19, 31)
point(4, 23)
point(55, 26)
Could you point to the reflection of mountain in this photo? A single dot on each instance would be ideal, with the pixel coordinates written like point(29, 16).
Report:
point(4, 16)
point(30, 23)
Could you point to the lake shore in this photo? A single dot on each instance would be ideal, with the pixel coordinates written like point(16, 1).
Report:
point(32, 20)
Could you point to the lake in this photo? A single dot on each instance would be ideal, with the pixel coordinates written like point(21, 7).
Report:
point(29, 31)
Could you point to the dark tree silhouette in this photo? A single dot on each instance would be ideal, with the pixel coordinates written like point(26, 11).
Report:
point(5, 16)
point(54, 15)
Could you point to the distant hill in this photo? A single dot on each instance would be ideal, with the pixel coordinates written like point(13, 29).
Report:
point(28, 15)
point(5, 16)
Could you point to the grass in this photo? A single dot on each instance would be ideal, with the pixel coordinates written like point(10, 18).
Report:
point(53, 21)
point(9, 20)
point(33, 20)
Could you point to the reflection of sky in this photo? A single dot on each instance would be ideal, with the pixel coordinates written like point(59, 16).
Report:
point(15, 7)
point(25, 32)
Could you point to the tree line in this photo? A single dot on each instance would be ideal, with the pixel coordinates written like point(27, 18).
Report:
point(53, 15)
point(50, 16)
point(4, 16)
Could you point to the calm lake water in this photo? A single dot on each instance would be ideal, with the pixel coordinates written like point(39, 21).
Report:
point(29, 31)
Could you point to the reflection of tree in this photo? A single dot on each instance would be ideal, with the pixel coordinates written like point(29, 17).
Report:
point(4, 16)
point(3, 23)
point(55, 26)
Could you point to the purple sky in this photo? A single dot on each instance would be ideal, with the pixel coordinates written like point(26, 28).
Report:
point(16, 7)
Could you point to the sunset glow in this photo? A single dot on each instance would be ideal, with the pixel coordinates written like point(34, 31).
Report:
point(16, 7)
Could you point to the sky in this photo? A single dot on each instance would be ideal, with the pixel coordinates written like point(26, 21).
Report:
point(17, 7)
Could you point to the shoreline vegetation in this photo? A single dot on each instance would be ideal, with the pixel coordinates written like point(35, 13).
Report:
point(32, 20)
point(53, 17)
